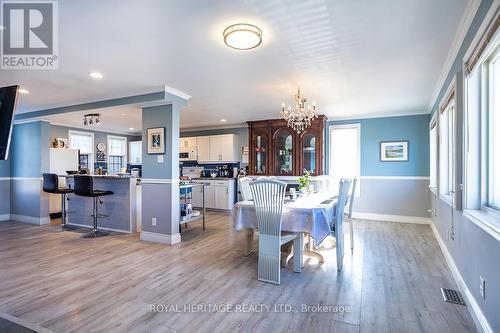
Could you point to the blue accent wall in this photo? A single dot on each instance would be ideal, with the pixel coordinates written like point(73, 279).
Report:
point(415, 129)
point(26, 150)
point(5, 168)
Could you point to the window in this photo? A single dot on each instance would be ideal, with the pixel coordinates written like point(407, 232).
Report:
point(493, 136)
point(433, 152)
point(447, 148)
point(345, 152)
point(84, 141)
point(117, 153)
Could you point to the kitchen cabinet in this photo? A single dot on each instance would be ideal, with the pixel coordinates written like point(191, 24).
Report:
point(135, 152)
point(203, 147)
point(187, 142)
point(219, 194)
point(217, 148)
point(276, 149)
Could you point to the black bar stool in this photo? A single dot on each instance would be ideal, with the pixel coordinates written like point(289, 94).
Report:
point(51, 185)
point(84, 186)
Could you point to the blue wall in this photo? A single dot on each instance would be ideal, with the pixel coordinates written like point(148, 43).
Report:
point(26, 149)
point(415, 129)
point(5, 168)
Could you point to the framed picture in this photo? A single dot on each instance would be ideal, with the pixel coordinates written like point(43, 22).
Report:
point(394, 151)
point(156, 140)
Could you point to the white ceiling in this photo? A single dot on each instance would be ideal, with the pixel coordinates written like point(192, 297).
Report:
point(356, 58)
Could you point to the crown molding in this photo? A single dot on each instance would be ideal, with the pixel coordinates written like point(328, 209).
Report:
point(214, 127)
point(463, 27)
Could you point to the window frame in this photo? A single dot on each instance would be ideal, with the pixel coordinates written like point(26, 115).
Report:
point(434, 126)
point(108, 151)
point(357, 126)
point(92, 150)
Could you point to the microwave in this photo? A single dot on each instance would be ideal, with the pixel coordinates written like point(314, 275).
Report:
point(188, 154)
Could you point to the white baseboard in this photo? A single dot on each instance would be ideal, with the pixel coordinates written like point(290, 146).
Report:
point(392, 218)
point(4, 217)
point(30, 219)
point(160, 238)
point(480, 320)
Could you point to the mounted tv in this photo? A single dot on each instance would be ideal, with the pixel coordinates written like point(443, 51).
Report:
point(8, 97)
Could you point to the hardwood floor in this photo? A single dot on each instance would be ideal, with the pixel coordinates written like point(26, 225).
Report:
point(390, 283)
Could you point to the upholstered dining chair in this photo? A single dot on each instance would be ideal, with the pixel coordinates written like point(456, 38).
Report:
point(246, 193)
point(269, 197)
point(348, 214)
point(338, 220)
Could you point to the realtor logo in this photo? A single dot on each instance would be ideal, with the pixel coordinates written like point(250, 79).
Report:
point(29, 33)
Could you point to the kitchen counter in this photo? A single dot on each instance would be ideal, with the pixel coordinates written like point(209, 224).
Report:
point(121, 206)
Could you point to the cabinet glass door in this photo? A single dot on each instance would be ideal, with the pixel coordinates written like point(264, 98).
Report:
point(260, 154)
point(309, 153)
point(284, 153)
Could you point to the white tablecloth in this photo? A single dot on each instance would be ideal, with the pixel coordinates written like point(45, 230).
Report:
point(306, 214)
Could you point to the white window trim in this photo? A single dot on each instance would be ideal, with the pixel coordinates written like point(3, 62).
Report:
point(91, 156)
point(447, 198)
point(435, 118)
point(125, 157)
point(330, 164)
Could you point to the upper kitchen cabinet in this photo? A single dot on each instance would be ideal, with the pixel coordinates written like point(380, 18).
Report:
point(187, 142)
point(217, 148)
point(276, 149)
point(135, 152)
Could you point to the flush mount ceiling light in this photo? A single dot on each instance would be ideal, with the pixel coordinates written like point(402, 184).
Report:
point(223, 120)
point(23, 91)
point(242, 36)
point(95, 75)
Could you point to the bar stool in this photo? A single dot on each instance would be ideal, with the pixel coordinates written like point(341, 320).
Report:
point(51, 185)
point(84, 186)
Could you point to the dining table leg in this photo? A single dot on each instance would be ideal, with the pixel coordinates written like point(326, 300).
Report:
point(310, 250)
point(248, 241)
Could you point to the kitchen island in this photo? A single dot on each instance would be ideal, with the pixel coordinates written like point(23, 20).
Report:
point(121, 207)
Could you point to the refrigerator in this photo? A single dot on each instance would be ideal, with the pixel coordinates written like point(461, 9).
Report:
point(61, 160)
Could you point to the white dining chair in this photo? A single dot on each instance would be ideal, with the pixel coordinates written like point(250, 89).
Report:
point(269, 197)
point(338, 220)
point(348, 214)
point(246, 193)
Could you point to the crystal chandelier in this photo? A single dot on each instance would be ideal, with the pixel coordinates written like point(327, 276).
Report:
point(301, 116)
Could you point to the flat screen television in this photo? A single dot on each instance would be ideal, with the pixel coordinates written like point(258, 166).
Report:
point(8, 97)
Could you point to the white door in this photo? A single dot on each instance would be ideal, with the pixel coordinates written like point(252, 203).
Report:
point(222, 197)
point(187, 142)
point(216, 147)
point(135, 152)
point(203, 146)
point(227, 148)
point(209, 197)
point(198, 196)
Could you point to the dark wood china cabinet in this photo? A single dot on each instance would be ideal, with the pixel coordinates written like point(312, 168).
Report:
point(276, 149)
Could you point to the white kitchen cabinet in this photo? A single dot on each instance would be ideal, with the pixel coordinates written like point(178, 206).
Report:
point(187, 142)
point(135, 152)
point(203, 147)
point(221, 148)
point(219, 194)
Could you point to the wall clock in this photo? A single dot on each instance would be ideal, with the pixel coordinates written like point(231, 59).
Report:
point(101, 146)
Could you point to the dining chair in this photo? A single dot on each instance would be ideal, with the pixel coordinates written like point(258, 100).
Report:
point(348, 214)
point(338, 220)
point(269, 197)
point(246, 193)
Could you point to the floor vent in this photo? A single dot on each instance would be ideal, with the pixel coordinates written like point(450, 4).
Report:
point(452, 296)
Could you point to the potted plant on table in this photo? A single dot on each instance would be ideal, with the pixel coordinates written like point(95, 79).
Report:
point(304, 182)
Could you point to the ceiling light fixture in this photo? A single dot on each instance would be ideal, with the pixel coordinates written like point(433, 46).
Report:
point(223, 120)
point(23, 91)
point(91, 119)
point(242, 36)
point(131, 128)
point(95, 75)
point(301, 115)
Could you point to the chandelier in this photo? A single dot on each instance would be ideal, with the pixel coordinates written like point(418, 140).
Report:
point(301, 116)
point(91, 119)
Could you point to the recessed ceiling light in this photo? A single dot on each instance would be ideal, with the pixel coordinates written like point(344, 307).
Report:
point(242, 36)
point(223, 120)
point(131, 128)
point(23, 91)
point(95, 75)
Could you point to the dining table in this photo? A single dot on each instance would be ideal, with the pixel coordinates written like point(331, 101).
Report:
point(312, 214)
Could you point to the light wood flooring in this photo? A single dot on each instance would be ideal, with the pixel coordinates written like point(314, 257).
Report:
point(61, 282)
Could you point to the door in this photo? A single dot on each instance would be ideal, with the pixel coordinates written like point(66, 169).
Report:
point(203, 146)
point(227, 148)
point(209, 197)
point(187, 142)
point(283, 152)
point(135, 152)
point(309, 151)
point(217, 143)
point(260, 154)
point(221, 197)
point(197, 196)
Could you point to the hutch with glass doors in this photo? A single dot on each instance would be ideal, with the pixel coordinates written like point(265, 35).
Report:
point(276, 149)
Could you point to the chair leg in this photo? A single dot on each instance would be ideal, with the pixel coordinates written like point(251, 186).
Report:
point(64, 214)
point(351, 221)
point(95, 232)
point(298, 253)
